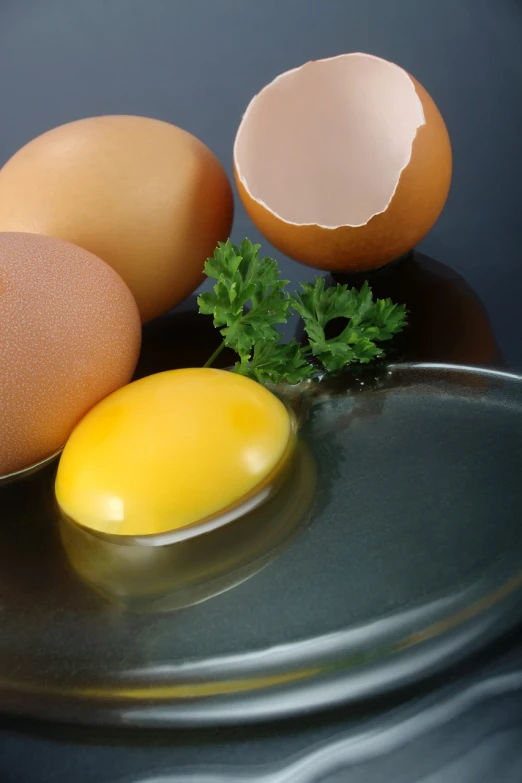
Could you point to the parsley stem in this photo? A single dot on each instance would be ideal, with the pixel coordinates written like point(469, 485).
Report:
point(215, 355)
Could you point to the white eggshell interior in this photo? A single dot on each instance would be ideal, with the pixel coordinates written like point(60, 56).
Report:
point(325, 144)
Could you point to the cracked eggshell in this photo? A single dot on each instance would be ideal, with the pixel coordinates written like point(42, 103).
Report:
point(147, 197)
point(70, 334)
point(343, 164)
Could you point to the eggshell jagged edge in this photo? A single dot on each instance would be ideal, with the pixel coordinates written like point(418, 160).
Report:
point(421, 121)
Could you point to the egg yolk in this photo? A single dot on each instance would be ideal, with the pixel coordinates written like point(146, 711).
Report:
point(171, 450)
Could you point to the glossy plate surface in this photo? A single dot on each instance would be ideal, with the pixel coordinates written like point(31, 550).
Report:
point(393, 549)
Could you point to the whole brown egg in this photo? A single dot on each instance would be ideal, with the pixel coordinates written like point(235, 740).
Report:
point(70, 334)
point(147, 197)
point(343, 164)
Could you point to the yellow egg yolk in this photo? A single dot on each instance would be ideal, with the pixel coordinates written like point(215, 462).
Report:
point(171, 450)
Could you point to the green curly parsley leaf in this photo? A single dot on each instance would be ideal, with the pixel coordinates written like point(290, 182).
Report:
point(249, 297)
point(249, 300)
point(368, 322)
point(274, 362)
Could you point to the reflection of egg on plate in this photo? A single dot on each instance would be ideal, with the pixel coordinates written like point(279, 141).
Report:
point(147, 197)
point(171, 450)
point(69, 335)
point(343, 164)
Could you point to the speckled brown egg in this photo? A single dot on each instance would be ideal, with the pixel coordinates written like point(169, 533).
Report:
point(147, 197)
point(344, 163)
point(70, 334)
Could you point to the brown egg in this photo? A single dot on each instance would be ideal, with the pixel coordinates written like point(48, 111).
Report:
point(344, 163)
point(145, 196)
point(70, 334)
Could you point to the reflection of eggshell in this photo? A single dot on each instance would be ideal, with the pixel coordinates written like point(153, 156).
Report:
point(344, 163)
point(69, 335)
point(145, 196)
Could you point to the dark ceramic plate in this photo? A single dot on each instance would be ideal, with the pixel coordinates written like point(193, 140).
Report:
point(393, 549)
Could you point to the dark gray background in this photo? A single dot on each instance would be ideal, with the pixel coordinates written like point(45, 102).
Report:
point(197, 63)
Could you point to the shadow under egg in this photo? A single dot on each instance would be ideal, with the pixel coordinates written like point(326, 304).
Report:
point(19, 475)
point(447, 321)
point(186, 572)
point(180, 338)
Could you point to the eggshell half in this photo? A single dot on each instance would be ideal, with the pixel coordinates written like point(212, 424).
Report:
point(147, 197)
point(70, 334)
point(344, 163)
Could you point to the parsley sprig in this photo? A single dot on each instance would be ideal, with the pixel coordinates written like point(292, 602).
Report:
point(249, 300)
